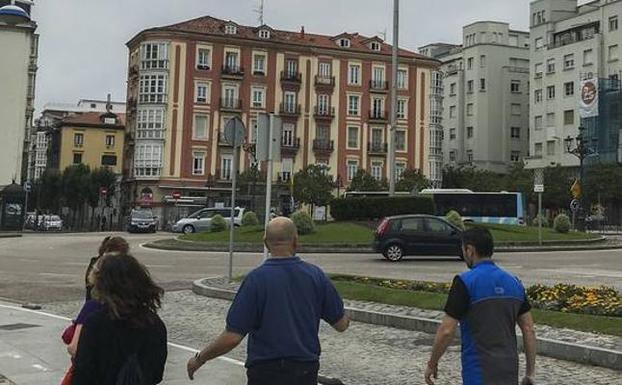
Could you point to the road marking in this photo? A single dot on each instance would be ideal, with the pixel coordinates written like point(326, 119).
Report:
point(171, 344)
point(56, 274)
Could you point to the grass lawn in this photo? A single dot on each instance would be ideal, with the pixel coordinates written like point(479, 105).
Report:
point(355, 234)
point(436, 301)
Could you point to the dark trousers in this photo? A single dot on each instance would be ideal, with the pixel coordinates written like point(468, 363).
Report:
point(283, 372)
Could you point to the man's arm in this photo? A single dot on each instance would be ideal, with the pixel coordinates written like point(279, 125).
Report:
point(525, 322)
point(225, 343)
point(444, 335)
point(342, 325)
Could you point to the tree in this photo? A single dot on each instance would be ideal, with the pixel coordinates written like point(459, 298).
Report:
point(75, 189)
point(363, 181)
point(412, 180)
point(102, 178)
point(313, 186)
point(49, 191)
point(471, 178)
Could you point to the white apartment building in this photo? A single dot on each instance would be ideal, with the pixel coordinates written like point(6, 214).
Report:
point(485, 101)
point(569, 43)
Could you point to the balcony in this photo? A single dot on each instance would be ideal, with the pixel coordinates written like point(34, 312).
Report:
point(230, 104)
point(378, 86)
point(291, 77)
point(378, 116)
point(290, 147)
point(324, 113)
point(323, 146)
point(232, 72)
point(377, 148)
point(326, 83)
point(289, 110)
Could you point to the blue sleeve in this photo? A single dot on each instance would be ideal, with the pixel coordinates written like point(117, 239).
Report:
point(89, 307)
point(332, 305)
point(243, 316)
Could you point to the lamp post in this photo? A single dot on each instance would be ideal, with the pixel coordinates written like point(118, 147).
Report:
point(339, 185)
point(582, 150)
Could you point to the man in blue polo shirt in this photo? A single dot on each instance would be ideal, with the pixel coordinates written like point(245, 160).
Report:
point(279, 305)
point(488, 302)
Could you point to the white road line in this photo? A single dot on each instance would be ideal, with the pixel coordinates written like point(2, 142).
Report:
point(171, 344)
point(56, 274)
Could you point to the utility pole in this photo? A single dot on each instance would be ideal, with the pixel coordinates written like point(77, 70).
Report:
point(394, 64)
point(260, 11)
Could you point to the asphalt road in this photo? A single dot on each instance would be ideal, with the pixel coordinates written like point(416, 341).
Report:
point(50, 267)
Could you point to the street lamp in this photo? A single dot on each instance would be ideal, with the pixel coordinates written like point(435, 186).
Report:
point(582, 150)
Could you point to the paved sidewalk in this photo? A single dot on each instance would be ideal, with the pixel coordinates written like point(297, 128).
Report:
point(31, 353)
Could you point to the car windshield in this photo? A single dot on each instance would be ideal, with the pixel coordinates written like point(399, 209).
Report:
point(142, 214)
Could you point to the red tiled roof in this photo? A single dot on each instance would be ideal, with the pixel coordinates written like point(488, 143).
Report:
point(90, 118)
point(212, 26)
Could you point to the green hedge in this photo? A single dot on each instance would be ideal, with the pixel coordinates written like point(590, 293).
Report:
point(366, 208)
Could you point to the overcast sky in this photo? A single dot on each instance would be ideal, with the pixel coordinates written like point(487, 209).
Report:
point(82, 52)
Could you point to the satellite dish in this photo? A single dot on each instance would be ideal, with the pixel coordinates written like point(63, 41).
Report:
point(12, 14)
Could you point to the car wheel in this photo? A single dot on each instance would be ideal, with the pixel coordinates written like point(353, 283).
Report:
point(394, 253)
point(188, 229)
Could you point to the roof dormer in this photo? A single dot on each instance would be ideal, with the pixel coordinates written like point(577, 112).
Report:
point(264, 32)
point(231, 28)
point(374, 43)
point(344, 40)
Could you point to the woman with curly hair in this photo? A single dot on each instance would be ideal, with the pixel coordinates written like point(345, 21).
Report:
point(125, 338)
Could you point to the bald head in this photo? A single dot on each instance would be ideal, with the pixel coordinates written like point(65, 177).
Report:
point(281, 237)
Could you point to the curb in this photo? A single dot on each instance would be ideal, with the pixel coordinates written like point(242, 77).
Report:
point(14, 235)
point(582, 354)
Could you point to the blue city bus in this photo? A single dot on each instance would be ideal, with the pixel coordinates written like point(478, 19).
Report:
point(479, 207)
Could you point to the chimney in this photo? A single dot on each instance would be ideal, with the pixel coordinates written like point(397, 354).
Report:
point(302, 32)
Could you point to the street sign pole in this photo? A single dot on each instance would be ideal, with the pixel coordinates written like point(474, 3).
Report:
point(269, 180)
point(25, 210)
point(538, 187)
point(540, 218)
point(236, 156)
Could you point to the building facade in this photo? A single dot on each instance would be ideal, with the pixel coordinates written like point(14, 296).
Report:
point(19, 68)
point(570, 43)
point(332, 93)
point(485, 100)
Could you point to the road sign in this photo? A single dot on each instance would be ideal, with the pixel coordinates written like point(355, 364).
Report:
point(575, 204)
point(176, 195)
point(235, 132)
point(538, 188)
point(263, 134)
point(28, 186)
point(103, 191)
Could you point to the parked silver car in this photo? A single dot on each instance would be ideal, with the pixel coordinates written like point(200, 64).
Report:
point(52, 223)
point(201, 220)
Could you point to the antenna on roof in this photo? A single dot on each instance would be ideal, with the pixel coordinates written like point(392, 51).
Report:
point(260, 11)
point(383, 33)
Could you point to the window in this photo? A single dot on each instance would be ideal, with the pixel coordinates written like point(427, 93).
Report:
point(569, 62)
point(290, 102)
point(516, 109)
point(550, 148)
point(515, 156)
point(452, 89)
point(569, 117)
point(469, 132)
point(539, 43)
point(287, 167)
point(231, 29)
point(259, 64)
point(469, 155)
point(353, 137)
point(400, 167)
point(482, 84)
point(154, 56)
point(452, 133)
point(354, 75)
point(150, 123)
point(470, 63)
point(376, 170)
point(226, 167)
point(537, 95)
point(569, 88)
point(452, 111)
point(354, 102)
point(258, 97)
point(613, 23)
point(375, 46)
point(199, 131)
point(264, 33)
point(291, 68)
point(344, 43)
point(470, 87)
point(550, 119)
point(198, 163)
point(110, 140)
point(148, 160)
point(322, 104)
point(588, 57)
point(452, 156)
point(231, 61)
point(515, 86)
point(537, 150)
point(353, 168)
point(482, 61)
point(469, 109)
point(515, 132)
point(77, 157)
point(436, 226)
point(550, 66)
point(550, 92)
point(400, 140)
point(152, 89)
point(200, 94)
point(203, 59)
point(538, 70)
point(324, 70)
point(377, 77)
point(613, 52)
point(377, 107)
point(538, 122)
point(401, 109)
point(78, 140)
point(230, 99)
point(287, 136)
point(401, 79)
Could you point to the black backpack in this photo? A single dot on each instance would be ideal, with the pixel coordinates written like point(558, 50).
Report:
point(131, 373)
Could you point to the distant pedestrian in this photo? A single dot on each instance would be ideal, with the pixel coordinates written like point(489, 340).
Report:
point(103, 228)
point(279, 305)
point(125, 341)
point(109, 245)
point(488, 302)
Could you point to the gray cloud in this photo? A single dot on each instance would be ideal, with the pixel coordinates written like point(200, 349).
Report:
point(83, 54)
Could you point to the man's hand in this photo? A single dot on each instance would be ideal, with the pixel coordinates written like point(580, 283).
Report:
point(527, 381)
point(431, 370)
point(193, 366)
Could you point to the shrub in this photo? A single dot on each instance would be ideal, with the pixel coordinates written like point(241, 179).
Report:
point(369, 208)
point(250, 219)
point(304, 222)
point(561, 224)
point(218, 224)
point(536, 221)
point(455, 219)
